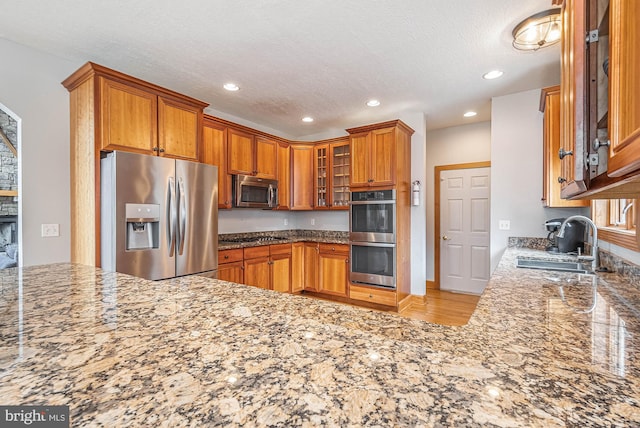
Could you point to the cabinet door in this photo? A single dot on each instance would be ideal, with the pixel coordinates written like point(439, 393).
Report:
point(624, 87)
point(266, 158)
point(214, 152)
point(551, 145)
point(301, 177)
point(240, 155)
point(359, 159)
point(257, 272)
point(128, 118)
point(281, 273)
point(310, 266)
point(573, 113)
point(321, 176)
point(340, 167)
point(232, 272)
point(284, 176)
point(297, 267)
point(178, 127)
point(332, 273)
point(383, 157)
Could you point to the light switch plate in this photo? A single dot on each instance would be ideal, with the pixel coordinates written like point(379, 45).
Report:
point(49, 230)
point(504, 225)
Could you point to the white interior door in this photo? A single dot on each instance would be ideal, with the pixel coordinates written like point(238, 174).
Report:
point(464, 229)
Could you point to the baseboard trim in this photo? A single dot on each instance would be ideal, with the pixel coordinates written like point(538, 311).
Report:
point(431, 285)
point(410, 300)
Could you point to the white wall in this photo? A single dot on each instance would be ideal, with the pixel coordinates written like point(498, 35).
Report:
point(516, 171)
point(447, 146)
point(30, 87)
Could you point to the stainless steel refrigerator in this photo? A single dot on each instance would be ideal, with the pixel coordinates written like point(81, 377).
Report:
point(159, 216)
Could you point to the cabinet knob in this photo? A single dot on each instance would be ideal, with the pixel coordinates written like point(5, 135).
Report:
point(562, 153)
point(161, 150)
point(226, 202)
point(561, 180)
point(155, 149)
point(597, 144)
point(333, 248)
point(226, 257)
point(371, 296)
point(346, 260)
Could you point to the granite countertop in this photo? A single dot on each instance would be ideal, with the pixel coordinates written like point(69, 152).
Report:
point(256, 239)
point(122, 351)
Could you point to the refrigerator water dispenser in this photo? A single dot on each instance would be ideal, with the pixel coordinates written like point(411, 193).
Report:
point(143, 226)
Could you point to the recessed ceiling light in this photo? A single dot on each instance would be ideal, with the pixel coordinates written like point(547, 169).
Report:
point(231, 87)
point(493, 74)
point(307, 119)
point(470, 114)
point(373, 103)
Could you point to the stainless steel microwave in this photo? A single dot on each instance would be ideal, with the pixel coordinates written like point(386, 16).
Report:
point(254, 192)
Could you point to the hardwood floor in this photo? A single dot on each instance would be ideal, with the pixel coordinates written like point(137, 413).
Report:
point(443, 307)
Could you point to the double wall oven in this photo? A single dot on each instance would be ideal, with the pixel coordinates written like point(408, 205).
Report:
point(372, 238)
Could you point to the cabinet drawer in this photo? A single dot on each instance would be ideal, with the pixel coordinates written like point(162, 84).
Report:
point(334, 248)
point(280, 249)
point(254, 252)
point(229, 256)
point(373, 295)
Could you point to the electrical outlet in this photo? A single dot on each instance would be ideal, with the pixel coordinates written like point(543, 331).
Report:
point(504, 225)
point(286, 221)
point(50, 230)
point(313, 222)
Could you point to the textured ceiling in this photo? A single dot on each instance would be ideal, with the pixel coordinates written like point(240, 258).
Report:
point(294, 58)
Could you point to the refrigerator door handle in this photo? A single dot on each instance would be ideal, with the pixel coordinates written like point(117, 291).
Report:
point(183, 215)
point(171, 216)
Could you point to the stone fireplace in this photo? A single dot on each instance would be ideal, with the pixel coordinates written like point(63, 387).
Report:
point(8, 180)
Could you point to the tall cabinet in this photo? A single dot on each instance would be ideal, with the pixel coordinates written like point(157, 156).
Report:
point(113, 111)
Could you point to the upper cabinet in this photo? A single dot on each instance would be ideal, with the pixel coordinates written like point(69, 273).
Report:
point(624, 86)
point(284, 176)
point(302, 177)
point(251, 155)
point(552, 175)
point(214, 152)
point(138, 119)
point(376, 153)
point(331, 174)
point(600, 99)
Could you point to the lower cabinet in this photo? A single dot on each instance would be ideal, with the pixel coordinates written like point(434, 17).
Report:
point(373, 295)
point(333, 269)
point(230, 265)
point(310, 266)
point(269, 267)
point(297, 267)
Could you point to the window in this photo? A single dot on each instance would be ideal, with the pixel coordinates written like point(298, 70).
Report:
point(616, 221)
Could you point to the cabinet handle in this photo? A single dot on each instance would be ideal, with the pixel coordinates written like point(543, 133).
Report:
point(155, 149)
point(333, 248)
point(561, 180)
point(597, 144)
point(562, 153)
point(346, 260)
point(226, 257)
point(371, 296)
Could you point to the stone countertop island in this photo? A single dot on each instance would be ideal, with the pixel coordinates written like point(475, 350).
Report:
point(122, 351)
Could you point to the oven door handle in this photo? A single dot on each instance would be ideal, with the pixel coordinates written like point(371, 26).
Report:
point(371, 202)
point(371, 244)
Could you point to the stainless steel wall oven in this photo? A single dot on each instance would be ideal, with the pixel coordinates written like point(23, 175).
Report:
point(372, 238)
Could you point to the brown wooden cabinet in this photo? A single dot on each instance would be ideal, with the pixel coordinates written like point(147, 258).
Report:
point(331, 170)
point(333, 269)
point(624, 87)
point(214, 152)
point(551, 175)
point(377, 151)
point(251, 155)
point(310, 266)
point(230, 265)
point(269, 267)
point(284, 176)
point(110, 110)
point(373, 295)
point(297, 267)
point(302, 177)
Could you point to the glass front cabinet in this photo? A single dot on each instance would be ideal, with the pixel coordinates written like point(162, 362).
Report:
point(331, 175)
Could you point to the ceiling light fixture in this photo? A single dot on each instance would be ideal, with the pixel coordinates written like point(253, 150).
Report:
point(307, 119)
point(231, 87)
point(538, 31)
point(470, 114)
point(373, 103)
point(493, 74)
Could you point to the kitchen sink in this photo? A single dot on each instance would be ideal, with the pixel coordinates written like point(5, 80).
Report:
point(564, 266)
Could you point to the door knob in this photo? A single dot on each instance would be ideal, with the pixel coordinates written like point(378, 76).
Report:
point(445, 238)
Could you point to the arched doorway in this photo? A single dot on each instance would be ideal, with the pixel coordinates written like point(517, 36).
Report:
point(10, 231)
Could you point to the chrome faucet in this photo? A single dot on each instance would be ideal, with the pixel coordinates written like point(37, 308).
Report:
point(594, 245)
